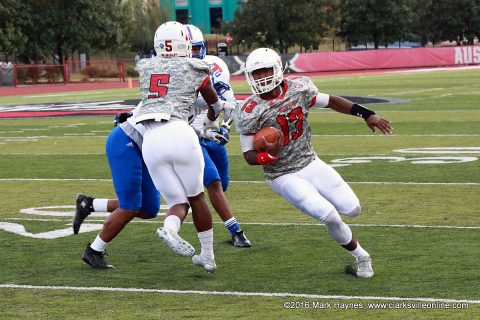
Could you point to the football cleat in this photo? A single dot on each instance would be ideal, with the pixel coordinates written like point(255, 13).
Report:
point(363, 268)
point(83, 208)
point(240, 240)
point(208, 265)
point(95, 259)
point(177, 244)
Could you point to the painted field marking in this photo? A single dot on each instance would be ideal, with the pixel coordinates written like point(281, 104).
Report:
point(260, 181)
point(53, 234)
point(303, 224)
point(372, 135)
point(441, 150)
point(237, 293)
point(45, 211)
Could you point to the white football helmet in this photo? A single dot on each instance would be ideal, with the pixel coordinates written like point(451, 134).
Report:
point(197, 40)
point(172, 39)
point(259, 59)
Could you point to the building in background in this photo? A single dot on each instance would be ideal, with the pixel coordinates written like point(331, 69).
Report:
point(205, 14)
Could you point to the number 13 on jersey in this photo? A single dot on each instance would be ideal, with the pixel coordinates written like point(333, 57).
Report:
point(157, 88)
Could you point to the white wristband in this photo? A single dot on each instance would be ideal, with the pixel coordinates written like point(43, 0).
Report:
point(217, 107)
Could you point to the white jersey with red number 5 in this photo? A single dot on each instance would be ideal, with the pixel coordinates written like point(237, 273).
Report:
point(169, 87)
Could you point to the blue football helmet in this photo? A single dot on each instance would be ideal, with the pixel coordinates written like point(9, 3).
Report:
point(197, 41)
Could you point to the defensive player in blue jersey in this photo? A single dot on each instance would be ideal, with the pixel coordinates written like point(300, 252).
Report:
point(137, 195)
point(216, 176)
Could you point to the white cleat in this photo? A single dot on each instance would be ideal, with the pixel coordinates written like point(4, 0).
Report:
point(364, 267)
point(208, 265)
point(177, 244)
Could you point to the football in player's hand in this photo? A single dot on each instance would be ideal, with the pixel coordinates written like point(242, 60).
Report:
point(268, 139)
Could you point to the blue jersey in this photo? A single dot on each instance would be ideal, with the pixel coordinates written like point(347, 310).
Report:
point(214, 154)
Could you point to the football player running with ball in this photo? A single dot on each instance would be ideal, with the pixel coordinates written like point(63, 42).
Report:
point(169, 84)
point(291, 167)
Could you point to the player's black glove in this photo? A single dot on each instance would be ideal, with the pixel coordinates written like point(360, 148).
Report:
point(121, 118)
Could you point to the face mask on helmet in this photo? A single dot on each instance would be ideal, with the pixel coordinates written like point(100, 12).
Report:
point(172, 39)
point(197, 41)
point(263, 58)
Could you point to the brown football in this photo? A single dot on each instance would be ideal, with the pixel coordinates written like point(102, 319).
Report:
point(270, 134)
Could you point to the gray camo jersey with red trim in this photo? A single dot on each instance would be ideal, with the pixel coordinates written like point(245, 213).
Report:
point(170, 85)
point(289, 113)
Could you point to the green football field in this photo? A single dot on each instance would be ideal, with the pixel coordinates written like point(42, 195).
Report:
point(419, 189)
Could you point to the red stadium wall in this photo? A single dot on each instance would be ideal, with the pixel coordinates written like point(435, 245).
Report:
point(386, 59)
point(369, 59)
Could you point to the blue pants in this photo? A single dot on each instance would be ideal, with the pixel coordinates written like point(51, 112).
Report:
point(131, 180)
point(216, 163)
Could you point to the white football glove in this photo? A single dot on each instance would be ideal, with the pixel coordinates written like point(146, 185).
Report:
point(227, 124)
point(209, 124)
point(229, 105)
point(213, 136)
point(228, 108)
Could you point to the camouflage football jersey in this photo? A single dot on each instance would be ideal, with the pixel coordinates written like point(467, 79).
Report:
point(169, 87)
point(288, 112)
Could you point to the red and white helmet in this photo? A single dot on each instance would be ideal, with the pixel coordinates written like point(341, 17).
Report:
point(259, 59)
point(172, 39)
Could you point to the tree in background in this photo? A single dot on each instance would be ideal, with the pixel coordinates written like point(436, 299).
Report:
point(472, 21)
point(377, 21)
point(279, 24)
point(454, 20)
point(146, 16)
point(53, 28)
point(37, 31)
point(13, 21)
point(420, 30)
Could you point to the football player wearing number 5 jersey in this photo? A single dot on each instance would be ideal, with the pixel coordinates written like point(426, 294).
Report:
point(169, 84)
point(294, 171)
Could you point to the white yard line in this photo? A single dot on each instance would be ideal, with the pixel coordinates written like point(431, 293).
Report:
point(261, 181)
point(239, 293)
point(306, 224)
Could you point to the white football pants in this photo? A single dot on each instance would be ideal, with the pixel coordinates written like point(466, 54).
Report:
point(319, 191)
point(174, 160)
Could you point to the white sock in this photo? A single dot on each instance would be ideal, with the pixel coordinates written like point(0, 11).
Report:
point(172, 223)
point(359, 252)
point(229, 221)
point(100, 205)
point(99, 244)
point(206, 243)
